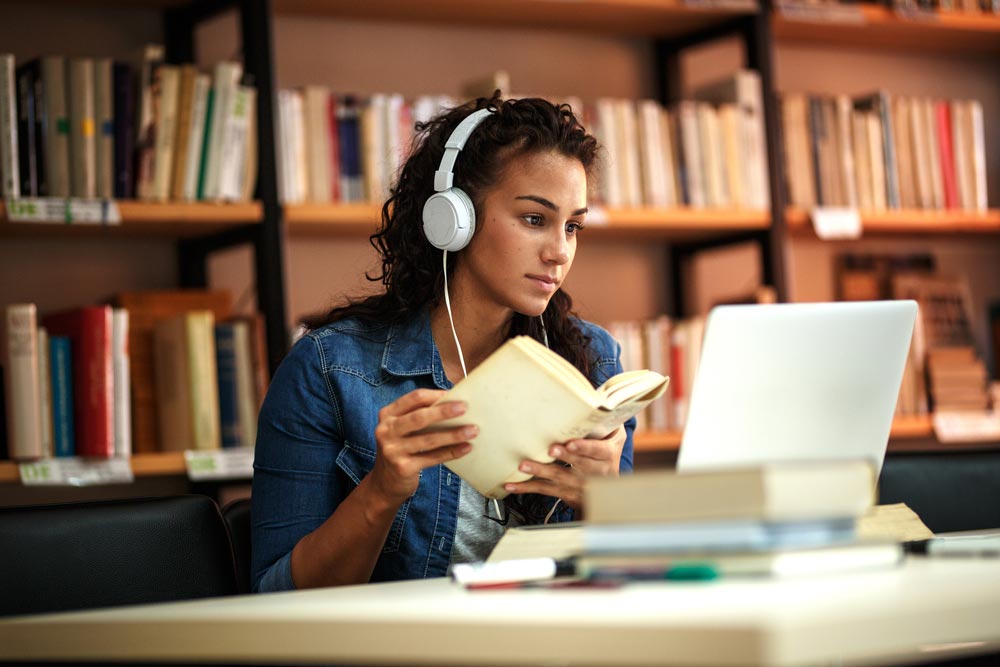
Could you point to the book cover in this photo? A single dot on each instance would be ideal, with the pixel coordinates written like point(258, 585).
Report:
point(89, 330)
point(517, 424)
point(104, 130)
point(56, 126)
point(27, 143)
point(225, 361)
point(44, 394)
point(24, 440)
point(61, 368)
point(776, 492)
point(10, 178)
point(124, 130)
point(120, 360)
point(83, 147)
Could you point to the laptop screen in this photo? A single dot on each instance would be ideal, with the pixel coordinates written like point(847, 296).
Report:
point(797, 382)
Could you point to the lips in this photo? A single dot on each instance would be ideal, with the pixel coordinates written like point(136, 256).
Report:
point(547, 283)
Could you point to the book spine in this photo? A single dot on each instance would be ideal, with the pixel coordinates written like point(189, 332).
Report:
point(165, 101)
point(182, 139)
point(120, 360)
point(196, 137)
point(23, 400)
point(203, 374)
point(145, 150)
point(56, 126)
point(27, 147)
point(10, 179)
point(60, 363)
point(234, 144)
point(44, 394)
point(34, 70)
point(246, 393)
point(225, 360)
point(124, 130)
point(206, 142)
point(83, 172)
point(104, 127)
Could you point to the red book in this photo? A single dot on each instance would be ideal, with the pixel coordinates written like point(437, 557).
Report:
point(89, 331)
point(942, 112)
point(335, 194)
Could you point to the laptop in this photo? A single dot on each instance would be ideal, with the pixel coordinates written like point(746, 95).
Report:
point(797, 382)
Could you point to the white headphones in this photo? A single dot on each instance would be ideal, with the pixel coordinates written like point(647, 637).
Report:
point(449, 216)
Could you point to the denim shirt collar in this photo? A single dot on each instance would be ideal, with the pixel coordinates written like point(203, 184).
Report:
point(410, 350)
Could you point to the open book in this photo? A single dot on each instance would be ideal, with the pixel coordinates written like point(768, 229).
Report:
point(524, 398)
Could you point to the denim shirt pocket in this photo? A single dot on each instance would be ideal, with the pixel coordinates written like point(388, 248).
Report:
point(356, 462)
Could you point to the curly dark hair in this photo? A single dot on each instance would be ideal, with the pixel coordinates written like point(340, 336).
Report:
point(411, 267)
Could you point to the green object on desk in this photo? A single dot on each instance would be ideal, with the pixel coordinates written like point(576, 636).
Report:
point(691, 572)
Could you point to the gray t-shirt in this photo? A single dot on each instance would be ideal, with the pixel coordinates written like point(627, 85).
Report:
point(475, 535)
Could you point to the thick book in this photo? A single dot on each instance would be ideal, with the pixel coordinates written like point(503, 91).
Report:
point(61, 369)
point(21, 354)
point(90, 332)
point(771, 492)
point(524, 398)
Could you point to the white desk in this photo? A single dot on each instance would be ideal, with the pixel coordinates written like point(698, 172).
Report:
point(865, 618)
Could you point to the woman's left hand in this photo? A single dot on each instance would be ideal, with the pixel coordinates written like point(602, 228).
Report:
point(586, 458)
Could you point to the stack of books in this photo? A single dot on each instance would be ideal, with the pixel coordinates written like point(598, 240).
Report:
point(779, 520)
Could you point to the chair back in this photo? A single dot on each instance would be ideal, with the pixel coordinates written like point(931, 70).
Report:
point(110, 553)
point(949, 491)
point(237, 516)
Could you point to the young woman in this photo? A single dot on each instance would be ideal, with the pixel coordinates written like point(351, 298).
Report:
point(345, 490)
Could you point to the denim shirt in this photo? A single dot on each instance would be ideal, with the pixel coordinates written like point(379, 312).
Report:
point(316, 441)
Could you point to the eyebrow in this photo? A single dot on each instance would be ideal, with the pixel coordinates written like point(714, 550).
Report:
point(549, 205)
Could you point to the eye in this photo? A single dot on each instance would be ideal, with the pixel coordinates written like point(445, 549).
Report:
point(534, 219)
point(573, 227)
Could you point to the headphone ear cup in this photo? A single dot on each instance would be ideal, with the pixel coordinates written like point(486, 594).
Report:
point(449, 219)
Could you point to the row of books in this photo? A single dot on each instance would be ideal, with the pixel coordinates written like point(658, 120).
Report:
point(706, 152)
point(145, 375)
point(671, 347)
point(96, 128)
point(882, 151)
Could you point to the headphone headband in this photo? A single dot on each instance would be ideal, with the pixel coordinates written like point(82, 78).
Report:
point(444, 176)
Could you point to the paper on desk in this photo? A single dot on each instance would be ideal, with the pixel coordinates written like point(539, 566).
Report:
point(558, 541)
point(893, 522)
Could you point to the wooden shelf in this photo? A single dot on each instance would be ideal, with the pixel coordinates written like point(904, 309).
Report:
point(877, 27)
point(148, 219)
point(663, 18)
point(911, 222)
point(668, 223)
point(156, 464)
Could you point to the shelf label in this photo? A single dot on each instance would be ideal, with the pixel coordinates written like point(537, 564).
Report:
point(967, 426)
point(231, 463)
point(56, 210)
point(833, 223)
point(821, 13)
point(75, 471)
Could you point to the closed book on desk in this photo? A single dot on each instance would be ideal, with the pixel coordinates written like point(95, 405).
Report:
point(779, 563)
point(772, 492)
point(525, 397)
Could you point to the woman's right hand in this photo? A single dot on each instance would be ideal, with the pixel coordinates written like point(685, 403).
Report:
point(403, 453)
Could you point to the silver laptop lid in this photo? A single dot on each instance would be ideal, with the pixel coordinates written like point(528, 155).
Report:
point(811, 381)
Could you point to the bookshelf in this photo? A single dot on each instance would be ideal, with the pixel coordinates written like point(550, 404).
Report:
point(910, 222)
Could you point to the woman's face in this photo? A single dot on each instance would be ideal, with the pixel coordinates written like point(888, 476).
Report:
point(525, 237)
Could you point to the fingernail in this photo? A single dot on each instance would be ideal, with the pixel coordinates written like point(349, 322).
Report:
point(510, 487)
point(470, 431)
point(456, 408)
point(464, 448)
point(572, 447)
point(557, 451)
point(525, 467)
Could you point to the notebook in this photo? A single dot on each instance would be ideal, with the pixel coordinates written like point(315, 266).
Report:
point(797, 382)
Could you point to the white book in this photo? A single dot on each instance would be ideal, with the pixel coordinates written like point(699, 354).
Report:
point(394, 139)
point(604, 128)
point(318, 148)
point(374, 151)
point(83, 155)
point(717, 189)
point(196, 137)
point(694, 170)
point(104, 117)
point(733, 156)
point(235, 144)
point(120, 368)
point(299, 160)
point(10, 185)
point(978, 155)
point(628, 145)
point(165, 100)
point(937, 176)
point(44, 394)
point(961, 141)
point(24, 439)
point(799, 164)
point(226, 79)
point(862, 160)
point(844, 145)
point(667, 150)
point(651, 155)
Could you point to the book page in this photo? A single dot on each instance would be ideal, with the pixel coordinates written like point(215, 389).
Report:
point(560, 540)
point(894, 522)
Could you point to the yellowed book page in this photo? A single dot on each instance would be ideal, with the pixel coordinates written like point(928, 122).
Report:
point(558, 541)
point(893, 522)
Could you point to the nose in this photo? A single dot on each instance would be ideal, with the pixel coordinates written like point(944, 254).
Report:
point(557, 248)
